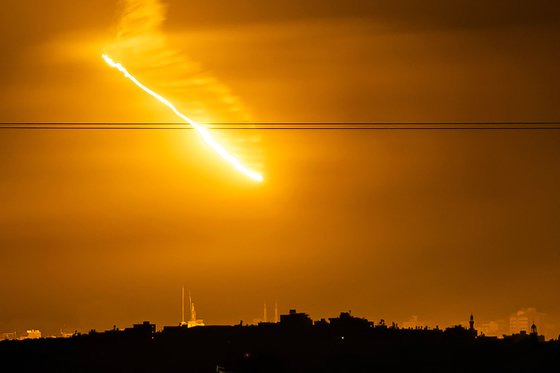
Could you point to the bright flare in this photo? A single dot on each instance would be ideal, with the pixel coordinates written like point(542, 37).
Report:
point(202, 131)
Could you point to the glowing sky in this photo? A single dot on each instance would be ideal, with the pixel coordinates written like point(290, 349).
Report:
point(103, 227)
point(202, 130)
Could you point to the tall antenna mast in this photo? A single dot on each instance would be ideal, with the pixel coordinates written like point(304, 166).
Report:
point(276, 311)
point(264, 313)
point(183, 306)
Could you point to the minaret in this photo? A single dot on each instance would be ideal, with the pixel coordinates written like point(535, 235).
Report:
point(265, 317)
point(276, 311)
point(472, 330)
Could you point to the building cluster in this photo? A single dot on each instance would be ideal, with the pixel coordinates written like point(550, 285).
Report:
point(294, 343)
point(298, 322)
point(522, 325)
point(30, 334)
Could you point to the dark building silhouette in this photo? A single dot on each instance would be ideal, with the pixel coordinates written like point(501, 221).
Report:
point(534, 329)
point(295, 344)
point(347, 323)
point(522, 336)
point(296, 320)
point(145, 329)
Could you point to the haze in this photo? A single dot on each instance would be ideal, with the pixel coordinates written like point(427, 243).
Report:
point(104, 227)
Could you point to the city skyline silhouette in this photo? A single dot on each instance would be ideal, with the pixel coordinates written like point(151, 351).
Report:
point(293, 343)
point(209, 166)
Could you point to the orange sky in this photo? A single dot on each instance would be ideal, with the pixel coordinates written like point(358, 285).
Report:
point(103, 227)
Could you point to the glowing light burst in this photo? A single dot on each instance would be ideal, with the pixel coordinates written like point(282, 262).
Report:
point(200, 129)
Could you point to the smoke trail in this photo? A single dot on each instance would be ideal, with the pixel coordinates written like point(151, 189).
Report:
point(141, 45)
point(202, 131)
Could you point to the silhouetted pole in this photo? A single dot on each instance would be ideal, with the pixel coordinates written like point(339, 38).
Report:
point(183, 306)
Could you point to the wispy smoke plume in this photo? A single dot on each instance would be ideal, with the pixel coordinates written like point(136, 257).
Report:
point(142, 46)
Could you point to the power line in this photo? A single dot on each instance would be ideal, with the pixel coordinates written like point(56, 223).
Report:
point(286, 126)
